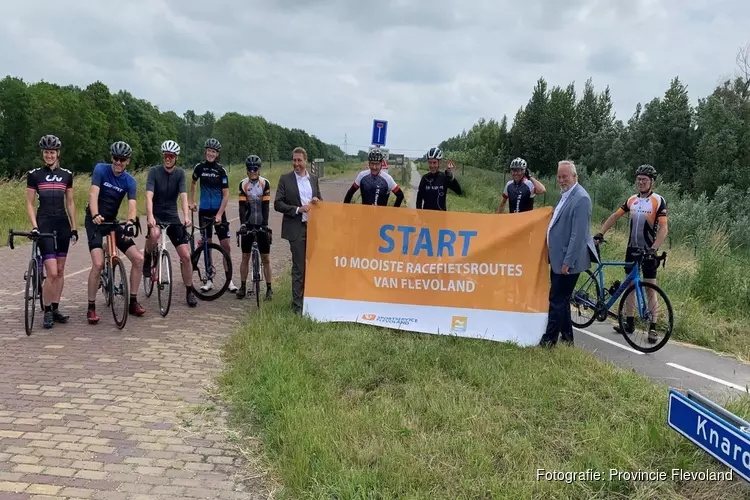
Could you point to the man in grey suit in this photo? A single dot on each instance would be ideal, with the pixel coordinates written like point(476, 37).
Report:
point(296, 192)
point(569, 244)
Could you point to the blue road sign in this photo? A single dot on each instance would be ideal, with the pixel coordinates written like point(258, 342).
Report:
point(711, 433)
point(379, 128)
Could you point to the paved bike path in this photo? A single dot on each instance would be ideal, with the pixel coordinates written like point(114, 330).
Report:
point(95, 412)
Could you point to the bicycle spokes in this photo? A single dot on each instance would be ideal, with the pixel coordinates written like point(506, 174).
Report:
point(646, 314)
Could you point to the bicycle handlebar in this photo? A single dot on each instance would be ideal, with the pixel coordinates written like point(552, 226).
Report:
point(251, 231)
point(212, 221)
point(137, 225)
point(640, 255)
point(31, 236)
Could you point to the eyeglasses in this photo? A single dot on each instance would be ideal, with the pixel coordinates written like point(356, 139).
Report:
point(169, 156)
point(252, 169)
point(119, 159)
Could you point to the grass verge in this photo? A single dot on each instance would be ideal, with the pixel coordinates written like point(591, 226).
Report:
point(355, 411)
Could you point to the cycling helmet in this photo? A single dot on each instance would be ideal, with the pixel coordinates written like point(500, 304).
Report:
point(212, 144)
point(518, 163)
point(169, 146)
point(646, 170)
point(50, 142)
point(120, 149)
point(434, 154)
point(252, 161)
point(375, 156)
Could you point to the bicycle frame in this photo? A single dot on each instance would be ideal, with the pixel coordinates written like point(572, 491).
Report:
point(161, 244)
point(204, 241)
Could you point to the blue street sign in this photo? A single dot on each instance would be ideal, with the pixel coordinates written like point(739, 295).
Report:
point(711, 433)
point(379, 128)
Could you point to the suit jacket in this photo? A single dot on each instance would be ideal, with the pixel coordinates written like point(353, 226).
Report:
point(287, 200)
point(570, 241)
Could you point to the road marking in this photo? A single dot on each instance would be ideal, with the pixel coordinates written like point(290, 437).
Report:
point(709, 377)
point(609, 341)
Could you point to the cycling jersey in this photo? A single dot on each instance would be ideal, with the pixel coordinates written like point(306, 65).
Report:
point(213, 178)
point(255, 201)
point(375, 189)
point(50, 186)
point(521, 195)
point(112, 189)
point(433, 190)
point(166, 187)
point(645, 213)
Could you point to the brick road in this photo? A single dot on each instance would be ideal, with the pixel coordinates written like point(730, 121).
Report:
point(96, 412)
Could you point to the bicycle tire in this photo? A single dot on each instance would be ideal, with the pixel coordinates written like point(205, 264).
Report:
point(621, 317)
point(32, 282)
point(165, 263)
point(118, 264)
point(195, 258)
point(589, 322)
point(40, 283)
point(106, 282)
point(148, 284)
point(256, 275)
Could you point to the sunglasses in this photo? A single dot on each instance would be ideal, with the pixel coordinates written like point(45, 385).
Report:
point(252, 169)
point(169, 156)
point(119, 159)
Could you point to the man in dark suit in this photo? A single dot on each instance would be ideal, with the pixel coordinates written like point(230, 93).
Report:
point(569, 242)
point(296, 192)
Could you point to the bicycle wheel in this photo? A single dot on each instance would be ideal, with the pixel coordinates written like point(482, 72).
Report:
point(119, 288)
point(584, 300)
point(40, 279)
point(256, 275)
point(664, 325)
point(164, 284)
point(32, 283)
point(148, 284)
point(106, 282)
point(218, 260)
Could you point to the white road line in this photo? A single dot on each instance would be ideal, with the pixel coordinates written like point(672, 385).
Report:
point(709, 377)
point(603, 339)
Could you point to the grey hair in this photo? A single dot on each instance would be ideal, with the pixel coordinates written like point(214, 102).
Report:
point(570, 164)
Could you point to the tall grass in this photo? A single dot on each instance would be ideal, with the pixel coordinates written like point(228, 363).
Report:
point(706, 273)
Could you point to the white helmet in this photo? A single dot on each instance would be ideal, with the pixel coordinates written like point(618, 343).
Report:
point(170, 146)
point(435, 154)
point(518, 163)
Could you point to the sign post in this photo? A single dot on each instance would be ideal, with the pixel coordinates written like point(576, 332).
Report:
point(379, 130)
point(317, 167)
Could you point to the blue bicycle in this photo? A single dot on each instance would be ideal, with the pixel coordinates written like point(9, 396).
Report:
point(594, 298)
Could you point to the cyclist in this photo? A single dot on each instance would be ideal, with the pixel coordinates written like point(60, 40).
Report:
point(521, 189)
point(648, 231)
point(214, 198)
point(255, 201)
point(375, 184)
point(110, 183)
point(434, 185)
point(164, 184)
point(52, 185)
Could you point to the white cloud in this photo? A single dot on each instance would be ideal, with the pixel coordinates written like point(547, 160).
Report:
point(431, 68)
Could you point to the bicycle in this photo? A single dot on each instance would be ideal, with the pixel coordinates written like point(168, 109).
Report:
point(161, 272)
point(204, 249)
point(112, 262)
point(34, 275)
point(255, 259)
point(600, 305)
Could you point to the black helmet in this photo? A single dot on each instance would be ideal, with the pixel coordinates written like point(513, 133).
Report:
point(646, 170)
point(375, 155)
point(50, 142)
point(212, 144)
point(120, 149)
point(252, 161)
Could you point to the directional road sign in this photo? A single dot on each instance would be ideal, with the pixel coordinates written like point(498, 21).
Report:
point(379, 129)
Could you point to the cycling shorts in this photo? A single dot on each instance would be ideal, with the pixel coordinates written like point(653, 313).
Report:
point(648, 266)
point(46, 245)
point(264, 242)
point(221, 232)
point(96, 235)
point(176, 234)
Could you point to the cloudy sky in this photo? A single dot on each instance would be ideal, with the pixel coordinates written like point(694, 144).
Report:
point(429, 67)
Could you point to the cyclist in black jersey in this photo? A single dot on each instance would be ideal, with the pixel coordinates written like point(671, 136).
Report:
point(52, 186)
point(374, 184)
point(434, 185)
point(164, 185)
point(521, 189)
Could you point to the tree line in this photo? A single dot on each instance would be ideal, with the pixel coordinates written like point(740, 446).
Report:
point(88, 120)
point(698, 149)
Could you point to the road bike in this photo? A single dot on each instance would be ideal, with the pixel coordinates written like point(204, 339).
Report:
point(34, 275)
point(599, 300)
point(161, 272)
point(257, 265)
point(114, 265)
point(201, 253)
